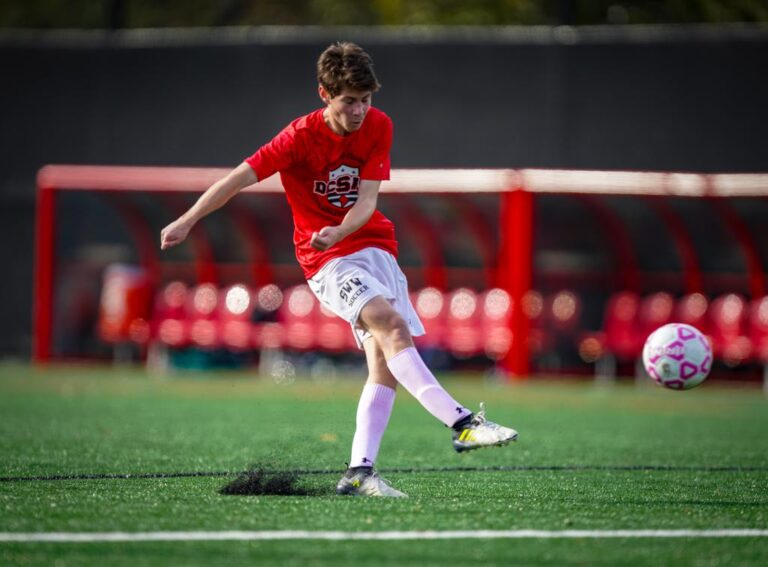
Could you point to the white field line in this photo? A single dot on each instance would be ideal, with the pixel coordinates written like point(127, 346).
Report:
point(96, 537)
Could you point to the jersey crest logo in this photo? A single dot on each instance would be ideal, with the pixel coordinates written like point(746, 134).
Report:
point(341, 187)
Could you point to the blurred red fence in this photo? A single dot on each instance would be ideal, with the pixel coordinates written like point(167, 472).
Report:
point(531, 270)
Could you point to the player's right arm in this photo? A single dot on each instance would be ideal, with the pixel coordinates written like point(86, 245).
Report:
point(213, 198)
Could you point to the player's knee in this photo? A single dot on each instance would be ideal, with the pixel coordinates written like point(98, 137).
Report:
point(400, 333)
point(387, 326)
point(388, 323)
point(396, 330)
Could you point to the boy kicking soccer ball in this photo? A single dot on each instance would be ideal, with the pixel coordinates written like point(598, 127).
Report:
point(331, 164)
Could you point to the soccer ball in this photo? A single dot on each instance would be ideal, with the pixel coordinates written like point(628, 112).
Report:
point(677, 356)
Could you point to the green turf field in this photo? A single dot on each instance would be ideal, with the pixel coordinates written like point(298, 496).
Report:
point(589, 458)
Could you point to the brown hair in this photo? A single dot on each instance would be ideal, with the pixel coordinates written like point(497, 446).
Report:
point(345, 65)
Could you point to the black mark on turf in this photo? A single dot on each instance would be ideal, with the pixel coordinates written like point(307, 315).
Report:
point(257, 480)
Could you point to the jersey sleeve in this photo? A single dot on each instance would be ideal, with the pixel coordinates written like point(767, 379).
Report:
point(377, 166)
point(277, 155)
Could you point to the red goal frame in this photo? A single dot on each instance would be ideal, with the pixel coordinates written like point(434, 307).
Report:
point(516, 189)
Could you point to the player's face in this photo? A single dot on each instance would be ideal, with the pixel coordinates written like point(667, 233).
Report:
point(346, 111)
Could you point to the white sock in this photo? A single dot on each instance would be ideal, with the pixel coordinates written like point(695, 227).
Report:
point(410, 371)
point(373, 411)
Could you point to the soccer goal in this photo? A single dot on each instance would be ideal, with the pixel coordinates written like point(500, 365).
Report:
point(514, 270)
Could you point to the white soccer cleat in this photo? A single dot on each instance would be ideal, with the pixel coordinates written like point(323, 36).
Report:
point(480, 432)
point(366, 482)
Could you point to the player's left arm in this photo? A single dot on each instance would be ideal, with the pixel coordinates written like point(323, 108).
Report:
point(358, 215)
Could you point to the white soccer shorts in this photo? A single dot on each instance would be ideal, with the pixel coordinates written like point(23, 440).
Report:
point(344, 285)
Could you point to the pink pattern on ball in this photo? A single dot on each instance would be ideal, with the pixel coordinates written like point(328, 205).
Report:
point(675, 350)
point(685, 334)
point(687, 370)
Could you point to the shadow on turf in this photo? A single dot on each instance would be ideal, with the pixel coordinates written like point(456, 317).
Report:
point(258, 480)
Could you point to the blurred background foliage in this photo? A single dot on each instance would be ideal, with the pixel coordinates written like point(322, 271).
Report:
point(116, 14)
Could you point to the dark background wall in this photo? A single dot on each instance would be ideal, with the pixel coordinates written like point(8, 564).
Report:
point(691, 99)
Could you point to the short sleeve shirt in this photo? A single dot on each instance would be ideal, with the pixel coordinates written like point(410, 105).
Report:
point(321, 173)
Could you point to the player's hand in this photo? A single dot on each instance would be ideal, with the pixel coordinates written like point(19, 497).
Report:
point(175, 233)
point(325, 237)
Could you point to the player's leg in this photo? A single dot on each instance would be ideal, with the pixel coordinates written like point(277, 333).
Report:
point(368, 289)
point(373, 411)
point(374, 407)
point(392, 335)
point(390, 331)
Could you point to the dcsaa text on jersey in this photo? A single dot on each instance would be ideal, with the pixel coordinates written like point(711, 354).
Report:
point(341, 187)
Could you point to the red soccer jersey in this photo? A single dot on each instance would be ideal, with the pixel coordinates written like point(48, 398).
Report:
point(321, 172)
